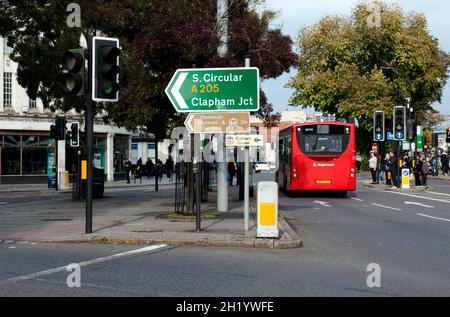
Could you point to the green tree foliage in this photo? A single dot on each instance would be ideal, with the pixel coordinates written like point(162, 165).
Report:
point(350, 67)
point(157, 37)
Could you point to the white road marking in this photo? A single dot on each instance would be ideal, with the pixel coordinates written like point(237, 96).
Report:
point(323, 203)
point(422, 197)
point(418, 204)
point(103, 259)
point(423, 215)
point(387, 207)
point(3, 203)
point(357, 199)
point(436, 193)
point(11, 247)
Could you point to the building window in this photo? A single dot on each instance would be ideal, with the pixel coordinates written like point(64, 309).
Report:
point(24, 155)
point(32, 103)
point(7, 89)
point(6, 48)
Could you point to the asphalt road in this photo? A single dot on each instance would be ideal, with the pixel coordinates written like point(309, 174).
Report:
point(406, 235)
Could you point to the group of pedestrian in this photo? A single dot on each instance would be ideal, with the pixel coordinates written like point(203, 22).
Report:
point(439, 161)
point(421, 170)
point(150, 169)
point(384, 169)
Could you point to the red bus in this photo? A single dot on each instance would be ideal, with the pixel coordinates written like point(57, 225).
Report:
point(317, 156)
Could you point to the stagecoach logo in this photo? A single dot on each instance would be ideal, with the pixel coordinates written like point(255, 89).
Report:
point(323, 164)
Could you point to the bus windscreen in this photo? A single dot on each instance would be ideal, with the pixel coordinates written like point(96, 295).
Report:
point(323, 139)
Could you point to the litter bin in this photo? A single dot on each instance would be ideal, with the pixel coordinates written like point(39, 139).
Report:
point(98, 184)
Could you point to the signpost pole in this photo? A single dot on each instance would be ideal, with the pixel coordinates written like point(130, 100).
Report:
point(246, 176)
point(222, 50)
point(89, 128)
point(196, 165)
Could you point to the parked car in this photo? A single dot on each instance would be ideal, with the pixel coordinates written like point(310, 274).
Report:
point(262, 166)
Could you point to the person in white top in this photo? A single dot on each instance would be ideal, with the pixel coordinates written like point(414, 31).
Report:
point(373, 164)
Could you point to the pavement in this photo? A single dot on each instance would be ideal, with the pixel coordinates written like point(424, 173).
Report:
point(121, 217)
point(412, 188)
point(145, 181)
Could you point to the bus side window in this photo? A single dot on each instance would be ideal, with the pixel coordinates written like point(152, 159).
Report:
point(280, 151)
point(288, 152)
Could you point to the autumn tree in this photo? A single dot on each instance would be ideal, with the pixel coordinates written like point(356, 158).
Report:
point(351, 66)
point(157, 37)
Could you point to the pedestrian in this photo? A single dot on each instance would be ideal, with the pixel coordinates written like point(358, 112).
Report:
point(387, 167)
point(159, 170)
point(373, 167)
point(393, 162)
point(231, 172)
point(444, 163)
point(425, 171)
point(139, 168)
point(127, 166)
point(169, 168)
point(149, 166)
point(418, 171)
point(381, 171)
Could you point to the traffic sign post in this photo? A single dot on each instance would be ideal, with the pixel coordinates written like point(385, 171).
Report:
point(405, 178)
point(218, 122)
point(214, 89)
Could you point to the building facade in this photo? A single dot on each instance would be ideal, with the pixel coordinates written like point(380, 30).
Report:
point(26, 149)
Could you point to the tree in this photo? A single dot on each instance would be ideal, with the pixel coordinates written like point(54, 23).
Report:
point(265, 112)
point(157, 37)
point(350, 67)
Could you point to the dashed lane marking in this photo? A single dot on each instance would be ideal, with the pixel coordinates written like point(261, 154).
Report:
point(387, 207)
point(357, 199)
point(423, 197)
point(428, 216)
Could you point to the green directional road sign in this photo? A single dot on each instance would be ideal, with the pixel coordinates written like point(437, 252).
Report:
point(419, 137)
point(214, 89)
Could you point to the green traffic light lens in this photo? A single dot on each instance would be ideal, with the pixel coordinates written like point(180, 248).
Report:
point(108, 90)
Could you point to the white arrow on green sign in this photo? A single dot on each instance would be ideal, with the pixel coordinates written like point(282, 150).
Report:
point(214, 89)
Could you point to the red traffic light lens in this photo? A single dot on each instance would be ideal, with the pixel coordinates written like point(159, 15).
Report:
point(72, 61)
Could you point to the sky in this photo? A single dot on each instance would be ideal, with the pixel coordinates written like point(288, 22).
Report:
point(294, 14)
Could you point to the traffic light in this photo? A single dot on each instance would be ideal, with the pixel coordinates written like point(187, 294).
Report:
point(378, 126)
point(60, 128)
point(105, 69)
point(399, 123)
point(74, 134)
point(73, 64)
point(447, 137)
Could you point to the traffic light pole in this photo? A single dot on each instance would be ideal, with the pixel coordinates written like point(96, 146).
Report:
point(89, 129)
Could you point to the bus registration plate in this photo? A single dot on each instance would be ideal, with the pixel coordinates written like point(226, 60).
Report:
point(323, 181)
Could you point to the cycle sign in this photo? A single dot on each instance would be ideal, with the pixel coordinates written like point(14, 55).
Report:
point(214, 89)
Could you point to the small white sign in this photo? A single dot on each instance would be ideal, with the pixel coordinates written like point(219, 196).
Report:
point(244, 140)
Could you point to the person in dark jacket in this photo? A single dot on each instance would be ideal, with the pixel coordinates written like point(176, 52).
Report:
point(127, 166)
point(149, 166)
point(387, 167)
point(418, 171)
point(231, 172)
point(381, 168)
point(393, 168)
